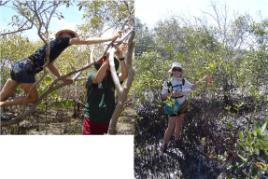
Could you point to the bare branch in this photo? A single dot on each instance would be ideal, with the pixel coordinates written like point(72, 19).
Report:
point(2, 3)
point(51, 14)
point(40, 22)
point(20, 29)
point(36, 13)
point(123, 97)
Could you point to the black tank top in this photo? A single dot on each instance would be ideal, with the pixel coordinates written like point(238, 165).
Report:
point(57, 46)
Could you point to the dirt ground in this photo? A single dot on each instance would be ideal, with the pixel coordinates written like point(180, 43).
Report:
point(62, 122)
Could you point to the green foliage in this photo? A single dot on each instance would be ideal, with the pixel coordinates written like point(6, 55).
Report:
point(195, 49)
point(253, 150)
point(100, 15)
point(144, 39)
point(235, 71)
point(64, 104)
point(260, 30)
point(151, 71)
point(12, 48)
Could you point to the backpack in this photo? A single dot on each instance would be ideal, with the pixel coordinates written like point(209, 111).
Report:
point(170, 105)
point(170, 87)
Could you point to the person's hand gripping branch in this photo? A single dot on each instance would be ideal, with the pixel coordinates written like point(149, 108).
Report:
point(120, 53)
point(116, 36)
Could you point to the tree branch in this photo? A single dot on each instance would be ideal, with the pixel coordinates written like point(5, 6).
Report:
point(54, 86)
point(117, 84)
point(40, 22)
point(123, 97)
point(2, 3)
point(20, 29)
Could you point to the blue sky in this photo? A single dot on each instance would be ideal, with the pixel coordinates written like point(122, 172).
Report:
point(151, 11)
point(72, 18)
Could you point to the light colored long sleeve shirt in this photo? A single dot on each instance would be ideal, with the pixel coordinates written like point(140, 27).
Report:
point(177, 86)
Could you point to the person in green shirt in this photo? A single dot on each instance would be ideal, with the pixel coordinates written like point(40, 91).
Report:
point(100, 101)
point(23, 71)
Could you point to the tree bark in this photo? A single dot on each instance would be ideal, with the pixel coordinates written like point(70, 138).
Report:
point(122, 97)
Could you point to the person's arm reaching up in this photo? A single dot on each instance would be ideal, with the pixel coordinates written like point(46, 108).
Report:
point(99, 76)
point(120, 57)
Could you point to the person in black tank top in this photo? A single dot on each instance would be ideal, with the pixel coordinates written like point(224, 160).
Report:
point(23, 71)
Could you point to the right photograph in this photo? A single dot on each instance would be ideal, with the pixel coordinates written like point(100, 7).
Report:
point(201, 89)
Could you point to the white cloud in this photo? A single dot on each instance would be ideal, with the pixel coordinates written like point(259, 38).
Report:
point(57, 25)
point(151, 11)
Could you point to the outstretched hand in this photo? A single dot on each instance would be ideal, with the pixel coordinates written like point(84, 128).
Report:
point(121, 50)
point(117, 35)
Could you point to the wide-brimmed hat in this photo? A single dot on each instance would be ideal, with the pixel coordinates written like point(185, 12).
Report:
point(71, 32)
point(174, 65)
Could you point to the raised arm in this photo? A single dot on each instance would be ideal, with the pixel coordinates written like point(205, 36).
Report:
point(94, 40)
point(164, 92)
point(99, 76)
point(120, 57)
point(124, 72)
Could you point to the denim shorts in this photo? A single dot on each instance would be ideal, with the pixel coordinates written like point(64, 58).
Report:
point(183, 110)
point(23, 71)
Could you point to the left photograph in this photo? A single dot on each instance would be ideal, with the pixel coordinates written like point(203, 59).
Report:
point(66, 67)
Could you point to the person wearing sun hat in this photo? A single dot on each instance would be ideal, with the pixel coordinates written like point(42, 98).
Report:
point(174, 65)
point(100, 100)
point(175, 90)
point(23, 71)
point(68, 31)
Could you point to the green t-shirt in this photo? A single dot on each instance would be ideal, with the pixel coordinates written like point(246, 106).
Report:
point(100, 99)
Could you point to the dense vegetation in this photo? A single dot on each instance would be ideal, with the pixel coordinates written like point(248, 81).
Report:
point(225, 132)
point(98, 17)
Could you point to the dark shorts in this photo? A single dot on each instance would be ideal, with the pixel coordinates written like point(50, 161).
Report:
point(93, 128)
point(23, 72)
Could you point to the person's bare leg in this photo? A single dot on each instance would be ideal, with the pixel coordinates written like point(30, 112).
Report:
point(8, 89)
point(170, 129)
point(178, 126)
point(31, 95)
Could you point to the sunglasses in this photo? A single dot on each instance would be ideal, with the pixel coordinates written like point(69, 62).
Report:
point(177, 69)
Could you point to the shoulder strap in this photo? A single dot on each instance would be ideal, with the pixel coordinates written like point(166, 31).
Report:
point(169, 85)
